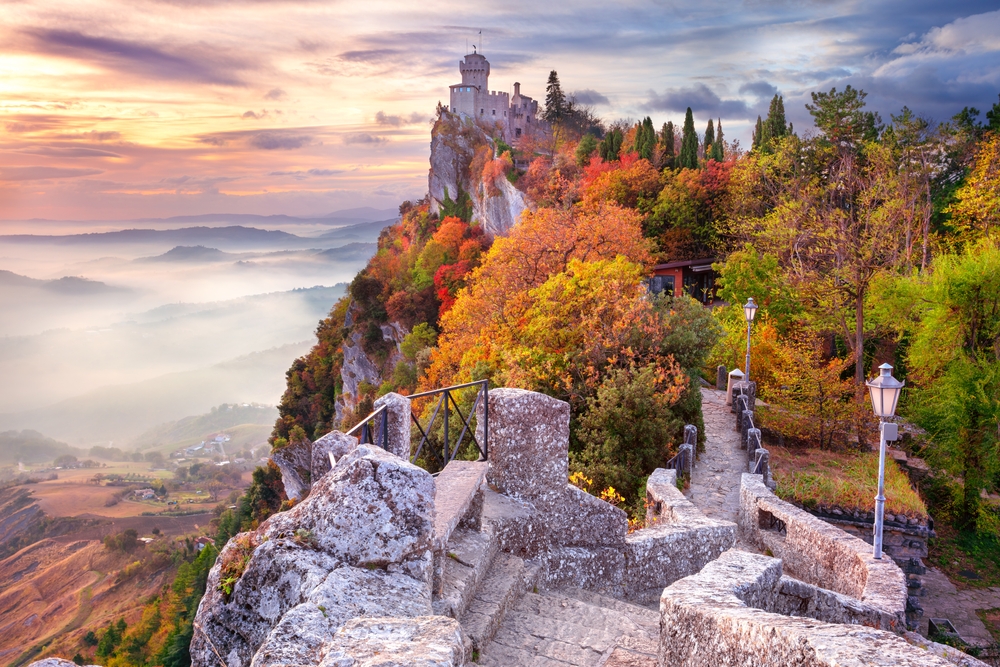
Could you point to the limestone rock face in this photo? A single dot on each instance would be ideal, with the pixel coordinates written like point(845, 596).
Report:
point(359, 545)
point(459, 149)
point(55, 662)
point(430, 641)
point(356, 367)
point(295, 463)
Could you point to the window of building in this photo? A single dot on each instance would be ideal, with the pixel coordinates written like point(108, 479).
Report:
point(482, 112)
point(664, 284)
point(494, 112)
point(517, 132)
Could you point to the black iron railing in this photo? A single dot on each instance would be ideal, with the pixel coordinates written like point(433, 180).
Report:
point(365, 430)
point(449, 447)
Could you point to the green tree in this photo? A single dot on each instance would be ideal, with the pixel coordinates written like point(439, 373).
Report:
point(718, 145)
point(555, 99)
point(709, 138)
point(667, 144)
point(689, 143)
point(758, 134)
point(841, 117)
point(645, 139)
point(774, 127)
point(955, 360)
point(993, 118)
point(611, 145)
point(586, 148)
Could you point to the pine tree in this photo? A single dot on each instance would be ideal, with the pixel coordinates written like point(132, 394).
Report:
point(667, 142)
point(689, 143)
point(555, 100)
point(610, 145)
point(757, 134)
point(709, 138)
point(718, 146)
point(774, 126)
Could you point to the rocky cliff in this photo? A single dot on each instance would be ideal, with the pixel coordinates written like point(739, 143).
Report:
point(461, 152)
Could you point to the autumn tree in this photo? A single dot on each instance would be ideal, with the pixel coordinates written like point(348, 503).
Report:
point(689, 143)
point(977, 202)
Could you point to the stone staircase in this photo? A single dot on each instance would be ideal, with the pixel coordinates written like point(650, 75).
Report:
point(499, 597)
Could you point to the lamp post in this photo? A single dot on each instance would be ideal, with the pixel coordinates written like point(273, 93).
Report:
point(749, 310)
point(885, 391)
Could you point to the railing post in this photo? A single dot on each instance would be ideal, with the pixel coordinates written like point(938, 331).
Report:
point(486, 420)
point(385, 430)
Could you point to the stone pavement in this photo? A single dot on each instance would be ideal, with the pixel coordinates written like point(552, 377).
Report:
point(943, 600)
point(715, 484)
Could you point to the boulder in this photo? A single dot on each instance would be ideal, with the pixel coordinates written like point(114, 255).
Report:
point(359, 545)
point(55, 662)
point(334, 442)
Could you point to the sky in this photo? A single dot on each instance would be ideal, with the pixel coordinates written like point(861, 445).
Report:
point(118, 110)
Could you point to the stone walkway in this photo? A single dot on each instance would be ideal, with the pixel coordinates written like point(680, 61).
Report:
point(942, 600)
point(715, 484)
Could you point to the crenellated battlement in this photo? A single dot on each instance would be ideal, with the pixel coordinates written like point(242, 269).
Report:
point(515, 112)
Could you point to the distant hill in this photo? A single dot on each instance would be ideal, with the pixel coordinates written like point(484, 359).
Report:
point(366, 232)
point(68, 285)
point(123, 412)
point(349, 252)
point(220, 418)
point(233, 234)
point(32, 447)
point(183, 253)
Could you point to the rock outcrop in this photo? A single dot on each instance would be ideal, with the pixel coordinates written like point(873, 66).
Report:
point(460, 148)
point(358, 546)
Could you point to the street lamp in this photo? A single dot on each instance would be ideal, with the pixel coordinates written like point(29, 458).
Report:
point(885, 391)
point(749, 310)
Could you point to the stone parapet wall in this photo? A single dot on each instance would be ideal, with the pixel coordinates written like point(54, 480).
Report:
point(725, 615)
point(820, 554)
point(678, 540)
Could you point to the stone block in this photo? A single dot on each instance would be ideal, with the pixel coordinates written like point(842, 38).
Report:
point(399, 423)
point(582, 520)
point(720, 378)
point(426, 641)
point(516, 526)
point(333, 443)
point(599, 569)
point(528, 446)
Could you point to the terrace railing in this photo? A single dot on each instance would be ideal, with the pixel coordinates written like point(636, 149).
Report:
point(449, 447)
point(683, 461)
point(377, 422)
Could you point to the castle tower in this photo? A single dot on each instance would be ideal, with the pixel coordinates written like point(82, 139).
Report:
point(475, 71)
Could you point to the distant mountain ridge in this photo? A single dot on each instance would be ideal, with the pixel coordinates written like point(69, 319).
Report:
point(66, 286)
point(343, 216)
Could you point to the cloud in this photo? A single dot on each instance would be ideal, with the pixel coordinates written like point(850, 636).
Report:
point(144, 60)
point(589, 97)
point(43, 173)
point(69, 151)
point(300, 175)
point(701, 99)
point(271, 141)
point(362, 138)
point(382, 118)
point(275, 94)
point(250, 114)
point(760, 89)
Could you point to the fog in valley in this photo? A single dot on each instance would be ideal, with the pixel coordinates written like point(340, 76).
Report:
point(109, 329)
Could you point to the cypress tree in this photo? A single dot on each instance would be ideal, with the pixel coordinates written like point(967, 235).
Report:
point(667, 142)
point(775, 125)
point(709, 138)
point(689, 143)
point(757, 133)
point(645, 138)
point(610, 146)
point(718, 147)
point(555, 100)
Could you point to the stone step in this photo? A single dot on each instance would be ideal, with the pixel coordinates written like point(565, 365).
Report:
point(507, 580)
point(553, 628)
point(643, 615)
point(468, 557)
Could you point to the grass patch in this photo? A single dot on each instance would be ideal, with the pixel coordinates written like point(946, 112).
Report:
point(991, 619)
point(960, 553)
point(818, 478)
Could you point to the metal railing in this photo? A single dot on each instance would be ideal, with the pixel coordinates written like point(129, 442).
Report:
point(758, 458)
point(447, 401)
point(683, 461)
point(379, 419)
